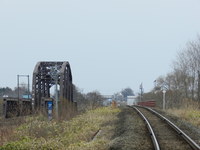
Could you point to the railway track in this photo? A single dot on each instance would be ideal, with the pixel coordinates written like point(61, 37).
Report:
point(164, 134)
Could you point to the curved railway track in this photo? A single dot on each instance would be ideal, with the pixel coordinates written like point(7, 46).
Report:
point(164, 134)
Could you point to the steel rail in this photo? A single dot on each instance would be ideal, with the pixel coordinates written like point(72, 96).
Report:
point(191, 142)
point(152, 134)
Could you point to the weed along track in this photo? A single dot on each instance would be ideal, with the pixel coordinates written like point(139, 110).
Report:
point(128, 134)
point(167, 135)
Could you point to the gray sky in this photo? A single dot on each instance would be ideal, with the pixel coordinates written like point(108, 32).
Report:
point(110, 44)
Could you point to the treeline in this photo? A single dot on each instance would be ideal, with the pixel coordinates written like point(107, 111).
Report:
point(183, 83)
point(87, 101)
point(8, 92)
point(123, 94)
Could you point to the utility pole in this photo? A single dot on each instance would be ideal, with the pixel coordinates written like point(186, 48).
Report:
point(56, 92)
point(28, 87)
point(18, 87)
point(155, 84)
point(18, 90)
point(164, 99)
point(54, 74)
point(164, 90)
point(141, 92)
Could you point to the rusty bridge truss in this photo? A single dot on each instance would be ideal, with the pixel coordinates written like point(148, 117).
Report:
point(45, 75)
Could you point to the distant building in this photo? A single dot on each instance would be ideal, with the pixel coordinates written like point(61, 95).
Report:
point(107, 100)
point(26, 96)
point(131, 100)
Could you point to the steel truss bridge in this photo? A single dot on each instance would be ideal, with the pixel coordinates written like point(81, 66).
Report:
point(45, 76)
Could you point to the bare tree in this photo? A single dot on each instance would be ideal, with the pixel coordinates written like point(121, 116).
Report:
point(186, 70)
point(184, 80)
point(94, 99)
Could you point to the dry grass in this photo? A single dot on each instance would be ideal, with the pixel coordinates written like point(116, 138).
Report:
point(76, 134)
point(8, 127)
point(189, 112)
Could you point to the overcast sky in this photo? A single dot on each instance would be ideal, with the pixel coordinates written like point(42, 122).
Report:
point(110, 44)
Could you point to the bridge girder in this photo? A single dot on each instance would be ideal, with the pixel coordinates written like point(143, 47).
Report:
point(43, 81)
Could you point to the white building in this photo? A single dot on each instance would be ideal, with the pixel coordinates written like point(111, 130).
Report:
point(131, 100)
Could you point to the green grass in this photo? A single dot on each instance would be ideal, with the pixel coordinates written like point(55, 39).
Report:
point(76, 134)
